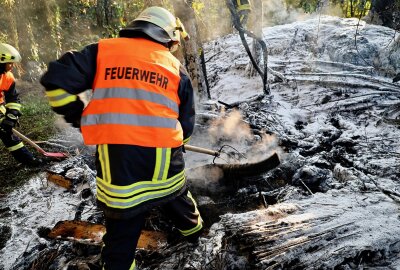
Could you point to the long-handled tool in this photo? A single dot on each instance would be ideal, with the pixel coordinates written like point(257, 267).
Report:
point(217, 154)
point(202, 150)
point(37, 147)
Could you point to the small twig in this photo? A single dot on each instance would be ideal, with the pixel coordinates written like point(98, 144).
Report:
point(211, 57)
point(327, 204)
point(27, 245)
point(309, 190)
point(227, 105)
point(264, 202)
point(393, 39)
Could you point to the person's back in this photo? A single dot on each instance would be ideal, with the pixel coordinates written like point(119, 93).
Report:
point(141, 113)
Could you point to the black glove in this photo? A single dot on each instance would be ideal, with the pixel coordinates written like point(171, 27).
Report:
point(9, 121)
point(72, 112)
point(6, 125)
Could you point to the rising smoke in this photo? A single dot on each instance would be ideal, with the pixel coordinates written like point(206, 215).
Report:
point(230, 129)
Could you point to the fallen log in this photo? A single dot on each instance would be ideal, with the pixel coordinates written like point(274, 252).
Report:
point(312, 235)
point(85, 232)
point(347, 75)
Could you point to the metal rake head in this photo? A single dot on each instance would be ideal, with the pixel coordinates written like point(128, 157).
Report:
point(232, 154)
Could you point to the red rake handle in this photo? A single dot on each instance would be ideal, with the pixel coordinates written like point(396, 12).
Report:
point(37, 147)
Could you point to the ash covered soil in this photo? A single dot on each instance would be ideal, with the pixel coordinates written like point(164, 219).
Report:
point(332, 203)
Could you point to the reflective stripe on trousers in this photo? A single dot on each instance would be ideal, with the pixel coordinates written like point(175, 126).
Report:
point(123, 197)
point(199, 225)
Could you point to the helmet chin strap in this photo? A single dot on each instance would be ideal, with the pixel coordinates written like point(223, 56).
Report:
point(2, 68)
point(183, 34)
point(181, 28)
point(173, 47)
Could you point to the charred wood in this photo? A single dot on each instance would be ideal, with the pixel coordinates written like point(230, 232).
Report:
point(310, 235)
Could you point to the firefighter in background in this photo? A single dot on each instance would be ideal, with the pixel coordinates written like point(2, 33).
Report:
point(243, 9)
point(10, 107)
point(140, 116)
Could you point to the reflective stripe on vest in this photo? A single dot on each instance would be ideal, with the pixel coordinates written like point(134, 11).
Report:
point(123, 197)
point(130, 119)
point(135, 96)
point(6, 80)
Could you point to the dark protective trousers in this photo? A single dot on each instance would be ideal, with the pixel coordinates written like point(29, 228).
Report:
point(122, 235)
point(16, 147)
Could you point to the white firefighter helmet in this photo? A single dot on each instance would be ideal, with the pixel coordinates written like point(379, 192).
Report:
point(159, 24)
point(8, 54)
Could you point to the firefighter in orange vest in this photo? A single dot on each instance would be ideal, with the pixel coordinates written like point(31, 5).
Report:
point(10, 107)
point(140, 115)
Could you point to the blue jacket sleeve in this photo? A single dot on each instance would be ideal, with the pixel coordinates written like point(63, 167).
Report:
point(65, 78)
point(73, 72)
point(186, 108)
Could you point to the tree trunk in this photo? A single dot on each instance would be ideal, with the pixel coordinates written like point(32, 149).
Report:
point(102, 12)
point(351, 8)
point(256, 24)
point(150, 3)
point(184, 11)
point(9, 11)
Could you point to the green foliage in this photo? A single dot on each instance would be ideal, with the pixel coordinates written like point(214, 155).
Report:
point(38, 119)
point(213, 18)
point(309, 6)
point(354, 8)
point(198, 6)
point(350, 8)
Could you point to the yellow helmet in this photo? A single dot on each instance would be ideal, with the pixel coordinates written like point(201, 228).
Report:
point(8, 54)
point(169, 27)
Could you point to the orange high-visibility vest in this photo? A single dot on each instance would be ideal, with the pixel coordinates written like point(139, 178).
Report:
point(6, 80)
point(135, 95)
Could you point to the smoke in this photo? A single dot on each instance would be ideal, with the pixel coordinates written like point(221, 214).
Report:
point(243, 145)
point(263, 148)
point(279, 12)
point(229, 127)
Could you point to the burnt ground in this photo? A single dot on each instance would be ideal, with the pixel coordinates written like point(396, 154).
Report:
point(332, 203)
point(242, 212)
